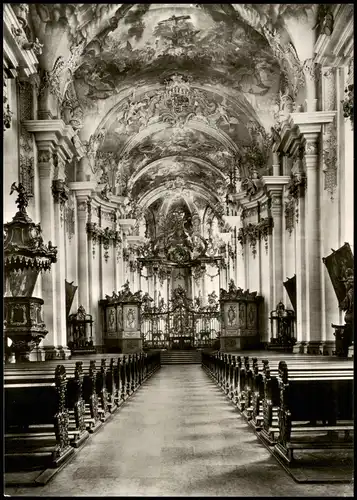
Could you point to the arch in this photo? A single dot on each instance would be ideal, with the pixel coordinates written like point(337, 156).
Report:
point(150, 197)
point(191, 205)
point(218, 135)
point(203, 163)
point(238, 101)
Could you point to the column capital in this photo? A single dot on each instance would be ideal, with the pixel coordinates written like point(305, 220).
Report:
point(311, 145)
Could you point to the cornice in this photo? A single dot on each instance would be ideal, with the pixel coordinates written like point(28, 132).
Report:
point(312, 118)
point(301, 124)
point(55, 131)
point(24, 61)
point(136, 239)
point(112, 204)
point(85, 188)
point(311, 123)
point(275, 182)
point(334, 50)
point(126, 223)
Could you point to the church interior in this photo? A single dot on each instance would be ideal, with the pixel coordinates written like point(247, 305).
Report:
point(178, 249)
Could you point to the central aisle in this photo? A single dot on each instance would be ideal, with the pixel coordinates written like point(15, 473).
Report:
point(178, 435)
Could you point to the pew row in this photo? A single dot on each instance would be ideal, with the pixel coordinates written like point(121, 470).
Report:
point(89, 396)
point(258, 388)
point(36, 422)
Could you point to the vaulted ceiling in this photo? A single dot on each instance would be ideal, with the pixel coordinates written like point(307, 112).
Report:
point(169, 97)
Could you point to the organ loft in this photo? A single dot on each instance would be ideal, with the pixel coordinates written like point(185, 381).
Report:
point(178, 215)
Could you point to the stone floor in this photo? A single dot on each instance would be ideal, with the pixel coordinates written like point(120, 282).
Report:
point(177, 436)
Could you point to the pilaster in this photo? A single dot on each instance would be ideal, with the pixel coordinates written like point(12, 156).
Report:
point(46, 170)
point(311, 327)
point(54, 146)
point(235, 222)
point(273, 186)
point(83, 192)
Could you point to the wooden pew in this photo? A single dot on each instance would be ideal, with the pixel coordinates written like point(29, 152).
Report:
point(253, 386)
point(97, 386)
point(36, 423)
point(267, 407)
point(47, 412)
point(305, 401)
point(74, 402)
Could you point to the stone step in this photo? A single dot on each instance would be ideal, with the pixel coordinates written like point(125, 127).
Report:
point(180, 357)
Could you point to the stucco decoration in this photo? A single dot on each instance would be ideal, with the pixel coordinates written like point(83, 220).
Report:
point(175, 105)
point(178, 101)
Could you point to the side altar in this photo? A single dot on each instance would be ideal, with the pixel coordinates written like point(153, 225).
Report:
point(121, 321)
point(240, 319)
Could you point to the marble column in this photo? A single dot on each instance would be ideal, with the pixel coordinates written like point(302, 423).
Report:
point(347, 170)
point(277, 247)
point(274, 186)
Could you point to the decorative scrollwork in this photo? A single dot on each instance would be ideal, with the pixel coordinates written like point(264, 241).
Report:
point(50, 79)
point(7, 114)
point(347, 103)
point(290, 215)
point(265, 227)
point(253, 232)
point(104, 236)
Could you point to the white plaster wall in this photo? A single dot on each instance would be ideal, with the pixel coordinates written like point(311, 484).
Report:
point(289, 260)
point(254, 271)
point(11, 155)
point(264, 290)
point(96, 293)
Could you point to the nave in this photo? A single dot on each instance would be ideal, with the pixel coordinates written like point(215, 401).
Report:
point(177, 436)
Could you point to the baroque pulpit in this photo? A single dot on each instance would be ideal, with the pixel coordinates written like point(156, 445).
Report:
point(25, 255)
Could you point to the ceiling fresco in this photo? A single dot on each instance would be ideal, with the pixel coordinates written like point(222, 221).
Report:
point(179, 97)
point(151, 41)
point(178, 174)
point(177, 104)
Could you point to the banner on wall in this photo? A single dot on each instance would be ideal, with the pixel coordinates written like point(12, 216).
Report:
point(337, 264)
point(70, 293)
point(290, 287)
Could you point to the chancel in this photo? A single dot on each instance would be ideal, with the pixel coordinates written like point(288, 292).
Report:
point(178, 249)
